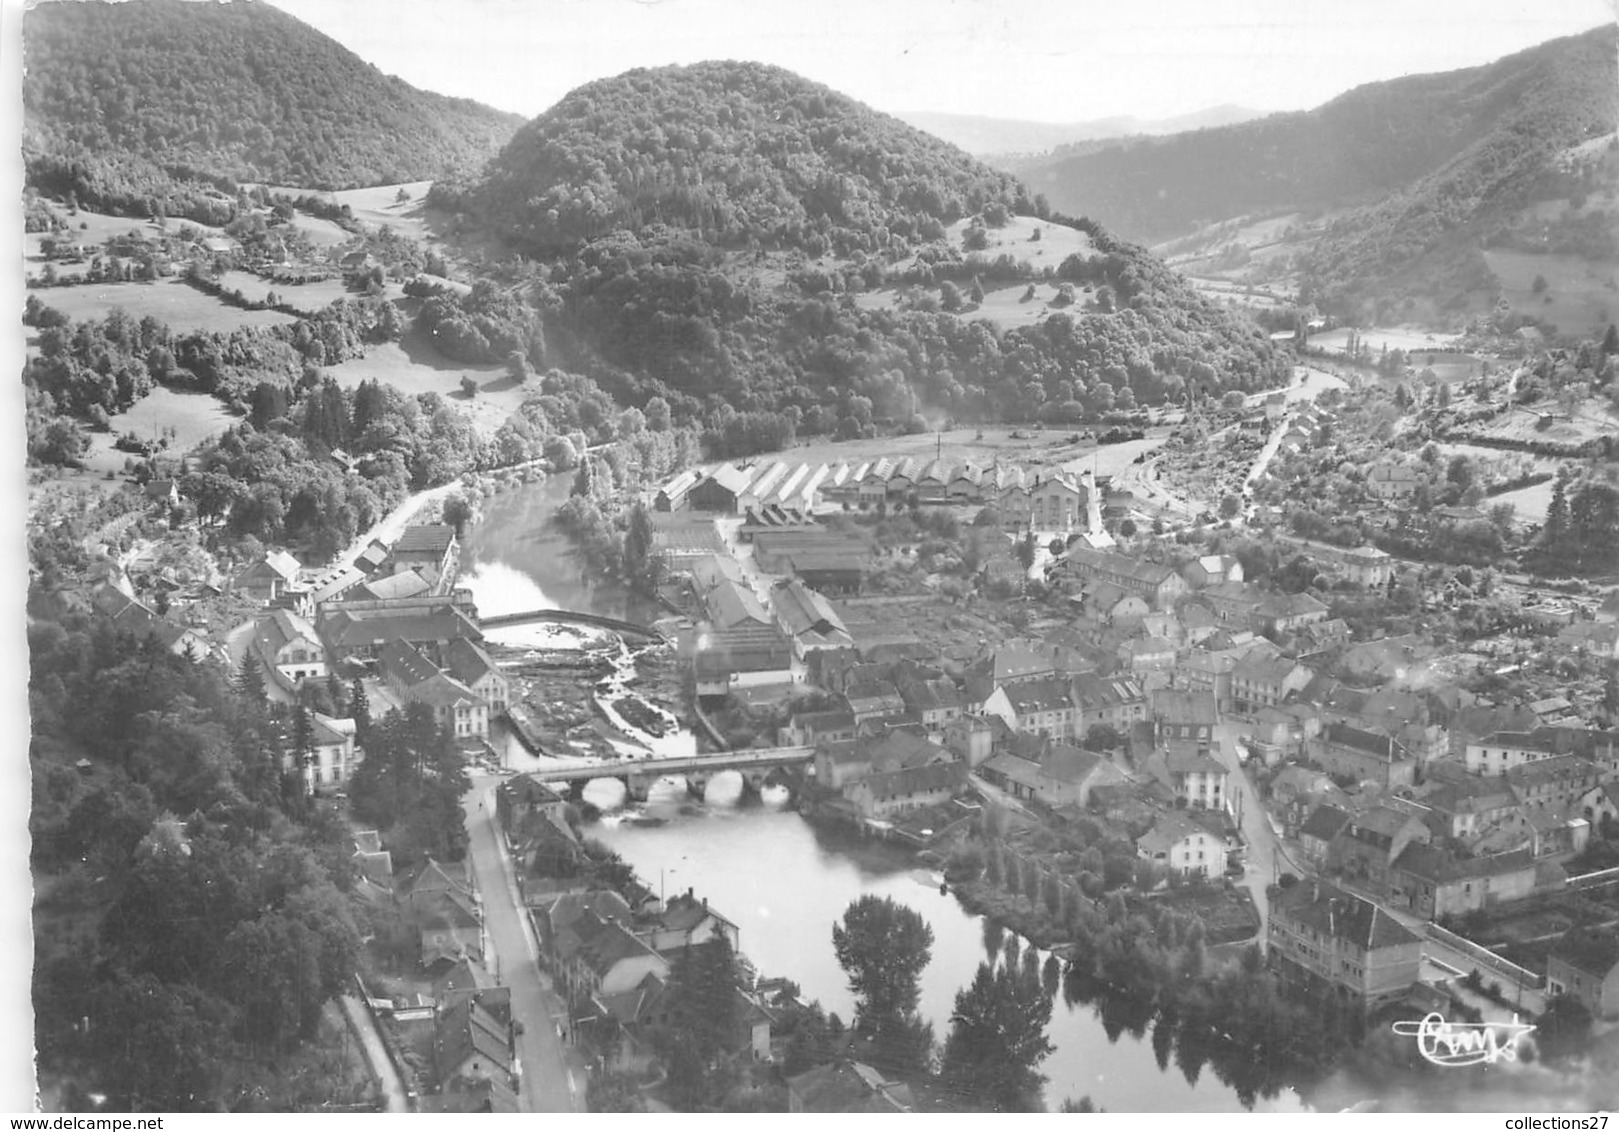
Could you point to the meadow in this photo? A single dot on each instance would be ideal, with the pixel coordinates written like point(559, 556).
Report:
point(181, 307)
point(413, 366)
point(193, 417)
point(1581, 296)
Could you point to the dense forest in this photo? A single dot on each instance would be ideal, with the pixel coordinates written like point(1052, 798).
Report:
point(737, 151)
point(241, 91)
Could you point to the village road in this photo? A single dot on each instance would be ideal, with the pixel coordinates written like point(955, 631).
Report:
point(549, 1085)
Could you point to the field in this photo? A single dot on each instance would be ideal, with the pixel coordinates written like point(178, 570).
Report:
point(1584, 293)
point(412, 366)
point(1055, 244)
point(1411, 339)
point(95, 228)
point(1592, 419)
point(307, 296)
point(194, 417)
point(170, 301)
point(375, 207)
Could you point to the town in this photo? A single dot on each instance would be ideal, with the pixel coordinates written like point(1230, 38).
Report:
point(1397, 820)
point(695, 593)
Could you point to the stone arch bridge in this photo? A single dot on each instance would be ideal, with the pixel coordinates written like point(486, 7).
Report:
point(759, 767)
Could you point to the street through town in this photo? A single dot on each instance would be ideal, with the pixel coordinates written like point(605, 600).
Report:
point(549, 1083)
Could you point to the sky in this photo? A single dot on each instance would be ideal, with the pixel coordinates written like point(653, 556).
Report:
point(1040, 60)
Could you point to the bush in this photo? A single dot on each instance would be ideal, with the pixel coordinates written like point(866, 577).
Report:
point(469, 387)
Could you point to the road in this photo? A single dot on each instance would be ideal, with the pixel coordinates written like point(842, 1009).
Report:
point(549, 1083)
point(1267, 856)
point(376, 1055)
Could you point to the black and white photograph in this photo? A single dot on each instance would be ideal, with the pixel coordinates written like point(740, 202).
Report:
point(815, 556)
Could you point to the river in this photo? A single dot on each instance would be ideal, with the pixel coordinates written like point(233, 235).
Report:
point(784, 882)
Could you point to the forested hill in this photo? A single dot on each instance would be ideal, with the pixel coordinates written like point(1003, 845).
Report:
point(237, 90)
point(731, 238)
point(738, 151)
point(1490, 128)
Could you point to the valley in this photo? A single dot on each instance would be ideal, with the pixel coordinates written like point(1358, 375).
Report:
point(1005, 561)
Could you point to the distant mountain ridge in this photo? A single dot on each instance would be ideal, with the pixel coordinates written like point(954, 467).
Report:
point(1427, 163)
point(986, 137)
point(1365, 143)
point(239, 90)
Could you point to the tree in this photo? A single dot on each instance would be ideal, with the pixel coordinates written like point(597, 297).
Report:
point(1556, 515)
point(704, 1018)
point(998, 1039)
point(1610, 341)
point(1230, 506)
point(250, 681)
point(1026, 548)
point(1102, 737)
point(883, 947)
point(1539, 285)
point(360, 710)
point(457, 512)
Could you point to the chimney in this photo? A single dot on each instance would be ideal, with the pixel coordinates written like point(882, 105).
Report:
point(1315, 891)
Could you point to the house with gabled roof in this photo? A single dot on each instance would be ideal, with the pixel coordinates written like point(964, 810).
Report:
point(1041, 707)
point(897, 792)
point(1068, 775)
point(1113, 701)
point(1190, 775)
point(388, 587)
point(470, 1044)
point(467, 662)
point(1320, 936)
point(1260, 682)
point(1584, 964)
point(288, 648)
point(1211, 570)
point(1366, 849)
point(936, 702)
point(1434, 882)
point(873, 699)
point(1319, 830)
point(431, 550)
point(1181, 845)
point(808, 618)
point(269, 578)
point(1364, 756)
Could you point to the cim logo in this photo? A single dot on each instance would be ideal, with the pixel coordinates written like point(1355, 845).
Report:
point(1465, 1043)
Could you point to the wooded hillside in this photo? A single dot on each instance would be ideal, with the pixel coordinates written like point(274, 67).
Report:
point(236, 90)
